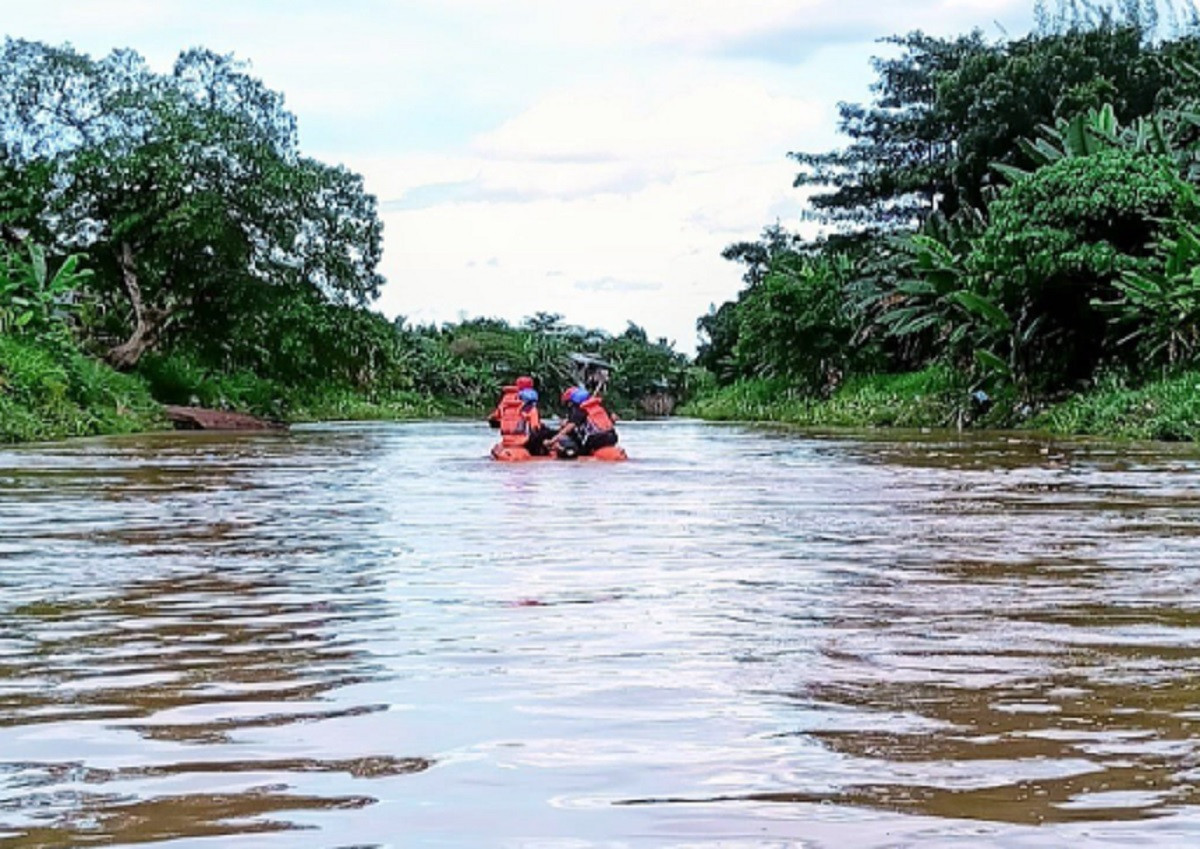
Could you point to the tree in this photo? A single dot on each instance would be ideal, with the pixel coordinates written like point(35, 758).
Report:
point(1059, 240)
point(902, 147)
point(181, 188)
point(718, 330)
point(758, 256)
point(794, 324)
point(945, 110)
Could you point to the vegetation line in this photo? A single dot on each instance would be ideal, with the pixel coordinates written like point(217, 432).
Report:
point(1010, 237)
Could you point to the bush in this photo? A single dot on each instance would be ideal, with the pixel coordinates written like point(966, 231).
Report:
point(934, 397)
point(181, 379)
point(47, 392)
point(1167, 409)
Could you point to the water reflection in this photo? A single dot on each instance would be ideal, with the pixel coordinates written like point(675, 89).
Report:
point(196, 660)
point(370, 635)
point(167, 592)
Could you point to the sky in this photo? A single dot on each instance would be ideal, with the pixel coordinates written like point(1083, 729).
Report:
point(583, 157)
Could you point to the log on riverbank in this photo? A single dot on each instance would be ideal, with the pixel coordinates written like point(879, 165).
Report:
point(199, 418)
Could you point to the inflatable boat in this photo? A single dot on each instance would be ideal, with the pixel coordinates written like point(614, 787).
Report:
point(516, 454)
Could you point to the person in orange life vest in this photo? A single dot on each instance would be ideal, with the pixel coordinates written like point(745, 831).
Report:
point(588, 425)
point(521, 423)
point(537, 432)
point(509, 394)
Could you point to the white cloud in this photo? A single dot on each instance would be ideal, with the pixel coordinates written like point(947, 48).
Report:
point(690, 113)
point(651, 256)
point(699, 25)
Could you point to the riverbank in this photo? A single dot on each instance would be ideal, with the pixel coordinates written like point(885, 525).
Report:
point(1165, 410)
point(920, 399)
point(1162, 410)
point(50, 392)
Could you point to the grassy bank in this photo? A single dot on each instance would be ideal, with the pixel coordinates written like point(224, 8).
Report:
point(181, 380)
point(927, 398)
point(1167, 409)
point(51, 393)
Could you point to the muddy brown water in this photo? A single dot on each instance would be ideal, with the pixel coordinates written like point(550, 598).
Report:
point(371, 635)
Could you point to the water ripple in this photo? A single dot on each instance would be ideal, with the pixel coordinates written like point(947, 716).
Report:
point(369, 635)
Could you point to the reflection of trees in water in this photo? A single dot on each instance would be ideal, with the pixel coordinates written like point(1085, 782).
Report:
point(236, 655)
point(1023, 751)
point(106, 819)
point(1018, 717)
point(1070, 732)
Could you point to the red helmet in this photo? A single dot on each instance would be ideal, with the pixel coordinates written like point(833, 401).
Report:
point(524, 382)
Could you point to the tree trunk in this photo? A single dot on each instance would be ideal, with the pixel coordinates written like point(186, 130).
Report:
point(147, 321)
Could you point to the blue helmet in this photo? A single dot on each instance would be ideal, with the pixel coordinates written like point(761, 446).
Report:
point(529, 396)
point(579, 396)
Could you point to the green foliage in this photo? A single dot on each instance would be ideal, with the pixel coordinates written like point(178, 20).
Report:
point(934, 298)
point(1159, 310)
point(49, 393)
point(752, 399)
point(295, 336)
point(1085, 256)
point(33, 301)
point(790, 295)
point(1090, 215)
point(1167, 409)
point(946, 110)
point(1063, 239)
point(227, 269)
point(642, 369)
point(470, 361)
point(179, 379)
point(799, 298)
point(334, 404)
point(901, 152)
point(718, 331)
point(1086, 133)
point(934, 397)
point(184, 189)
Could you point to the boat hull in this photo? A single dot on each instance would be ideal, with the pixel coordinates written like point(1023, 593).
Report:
point(516, 454)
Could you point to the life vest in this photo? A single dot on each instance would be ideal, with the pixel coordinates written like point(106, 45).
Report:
point(598, 420)
point(508, 412)
point(533, 419)
point(518, 419)
point(494, 415)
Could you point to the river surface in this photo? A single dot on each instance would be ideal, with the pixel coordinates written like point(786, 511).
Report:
point(372, 635)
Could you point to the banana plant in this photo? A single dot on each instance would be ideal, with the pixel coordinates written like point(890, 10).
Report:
point(1098, 130)
point(937, 293)
point(32, 301)
point(1159, 311)
point(1083, 135)
point(935, 289)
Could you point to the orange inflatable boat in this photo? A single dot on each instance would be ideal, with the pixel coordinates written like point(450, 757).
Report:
point(516, 454)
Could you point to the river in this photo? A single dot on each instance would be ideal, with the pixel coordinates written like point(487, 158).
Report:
point(372, 635)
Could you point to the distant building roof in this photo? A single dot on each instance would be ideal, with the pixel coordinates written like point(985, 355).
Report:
point(588, 360)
